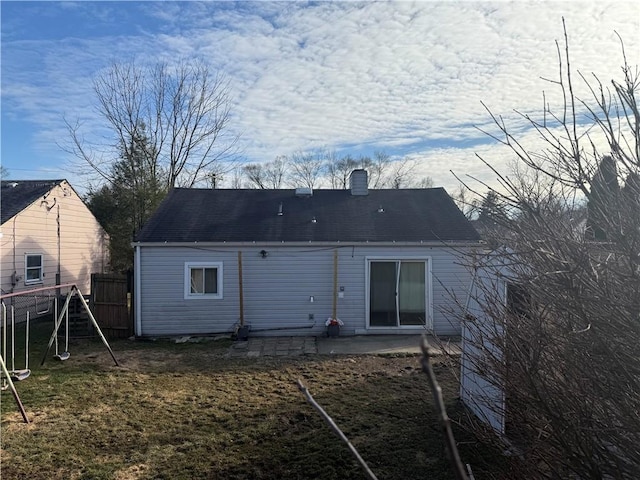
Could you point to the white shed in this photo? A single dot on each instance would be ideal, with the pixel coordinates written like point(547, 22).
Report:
point(481, 387)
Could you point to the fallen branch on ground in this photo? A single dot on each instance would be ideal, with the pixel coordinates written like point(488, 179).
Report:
point(450, 441)
point(336, 429)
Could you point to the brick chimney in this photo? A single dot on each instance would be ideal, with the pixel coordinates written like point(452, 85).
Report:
point(359, 182)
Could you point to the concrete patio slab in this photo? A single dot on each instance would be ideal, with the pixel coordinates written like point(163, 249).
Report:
point(369, 344)
point(273, 347)
point(347, 345)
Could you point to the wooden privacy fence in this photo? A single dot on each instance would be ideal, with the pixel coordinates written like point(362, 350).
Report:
point(111, 304)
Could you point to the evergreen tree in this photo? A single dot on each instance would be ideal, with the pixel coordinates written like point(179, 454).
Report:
point(602, 199)
point(630, 203)
point(631, 190)
point(124, 205)
point(491, 210)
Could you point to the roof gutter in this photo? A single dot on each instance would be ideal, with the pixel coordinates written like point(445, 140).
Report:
point(429, 243)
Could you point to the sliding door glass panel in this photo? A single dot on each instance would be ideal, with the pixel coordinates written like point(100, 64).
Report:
point(382, 294)
point(411, 293)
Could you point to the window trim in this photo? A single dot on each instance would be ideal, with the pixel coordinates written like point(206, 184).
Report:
point(188, 266)
point(40, 278)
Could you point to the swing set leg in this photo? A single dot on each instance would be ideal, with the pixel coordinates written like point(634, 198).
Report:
point(76, 291)
point(13, 390)
point(96, 326)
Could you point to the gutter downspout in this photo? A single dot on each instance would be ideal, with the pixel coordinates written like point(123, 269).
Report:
point(14, 276)
point(240, 289)
point(334, 311)
point(59, 270)
point(137, 293)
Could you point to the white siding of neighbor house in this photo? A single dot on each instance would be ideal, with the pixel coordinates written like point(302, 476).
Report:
point(83, 243)
point(277, 289)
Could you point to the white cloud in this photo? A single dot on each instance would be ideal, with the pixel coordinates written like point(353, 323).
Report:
point(382, 74)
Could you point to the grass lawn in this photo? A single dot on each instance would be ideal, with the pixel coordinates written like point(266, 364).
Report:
point(183, 411)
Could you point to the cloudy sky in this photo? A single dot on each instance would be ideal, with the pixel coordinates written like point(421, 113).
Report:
point(354, 77)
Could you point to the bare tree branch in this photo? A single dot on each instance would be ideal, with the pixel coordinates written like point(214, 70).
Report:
point(184, 111)
point(306, 168)
point(557, 313)
point(327, 418)
point(450, 441)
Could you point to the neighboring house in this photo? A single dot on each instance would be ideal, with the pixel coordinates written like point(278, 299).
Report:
point(48, 237)
point(281, 261)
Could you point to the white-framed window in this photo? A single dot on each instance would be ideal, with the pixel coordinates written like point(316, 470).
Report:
point(202, 280)
point(33, 268)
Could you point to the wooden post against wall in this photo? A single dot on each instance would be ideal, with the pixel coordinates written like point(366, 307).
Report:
point(241, 296)
point(335, 284)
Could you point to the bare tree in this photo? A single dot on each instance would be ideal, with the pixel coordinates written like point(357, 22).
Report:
point(306, 168)
point(184, 110)
point(255, 174)
point(383, 171)
point(400, 174)
point(218, 173)
point(423, 182)
point(387, 172)
point(276, 172)
point(323, 167)
point(236, 178)
point(564, 350)
point(465, 201)
point(377, 169)
point(266, 175)
point(339, 169)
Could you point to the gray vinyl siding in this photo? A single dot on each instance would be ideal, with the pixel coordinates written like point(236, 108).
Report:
point(277, 289)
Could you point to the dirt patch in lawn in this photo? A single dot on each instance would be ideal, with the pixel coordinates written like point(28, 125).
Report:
point(187, 411)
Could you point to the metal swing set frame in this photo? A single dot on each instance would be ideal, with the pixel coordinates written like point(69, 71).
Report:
point(14, 375)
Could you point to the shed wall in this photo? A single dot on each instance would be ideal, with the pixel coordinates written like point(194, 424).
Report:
point(481, 389)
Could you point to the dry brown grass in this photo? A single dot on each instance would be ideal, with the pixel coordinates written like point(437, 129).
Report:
point(186, 411)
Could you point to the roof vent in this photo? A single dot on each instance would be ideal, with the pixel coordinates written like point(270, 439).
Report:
point(304, 192)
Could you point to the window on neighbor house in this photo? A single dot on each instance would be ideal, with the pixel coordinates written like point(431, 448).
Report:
point(33, 271)
point(203, 280)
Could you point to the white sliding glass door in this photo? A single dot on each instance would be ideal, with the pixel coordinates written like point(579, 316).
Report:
point(398, 293)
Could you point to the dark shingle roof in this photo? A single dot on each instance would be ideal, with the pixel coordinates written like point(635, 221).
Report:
point(411, 215)
point(16, 195)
